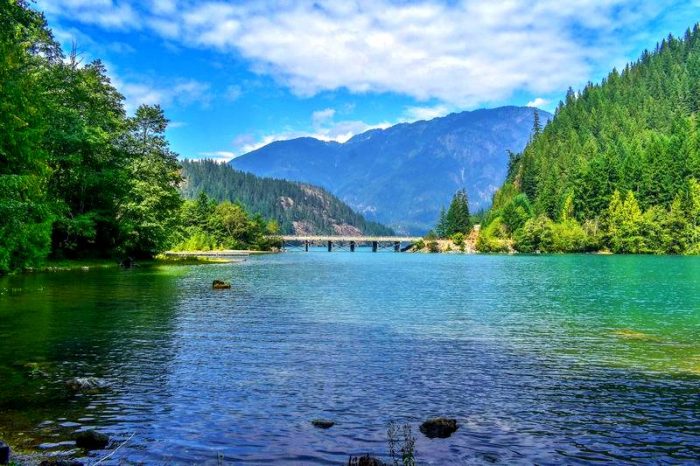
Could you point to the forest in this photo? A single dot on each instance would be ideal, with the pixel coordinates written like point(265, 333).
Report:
point(285, 202)
point(79, 178)
point(617, 169)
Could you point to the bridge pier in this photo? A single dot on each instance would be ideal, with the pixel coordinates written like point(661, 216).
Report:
point(397, 246)
point(330, 245)
point(306, 246)
point(375, 244)
point(352, 246)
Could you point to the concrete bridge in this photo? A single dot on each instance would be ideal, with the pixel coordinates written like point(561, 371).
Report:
point(349, 243)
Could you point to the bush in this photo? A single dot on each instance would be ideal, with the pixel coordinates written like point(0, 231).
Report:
point(458, 239)
point(493, 237)
point(433, 246)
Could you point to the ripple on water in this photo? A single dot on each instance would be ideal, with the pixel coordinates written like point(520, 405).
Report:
point(559, 359)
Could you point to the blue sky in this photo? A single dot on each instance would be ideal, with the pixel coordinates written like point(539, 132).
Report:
point(233, 76)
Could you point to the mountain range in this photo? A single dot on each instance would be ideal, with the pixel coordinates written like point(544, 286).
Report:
point(402, 175)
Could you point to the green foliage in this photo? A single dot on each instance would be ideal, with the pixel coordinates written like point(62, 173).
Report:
point(27, 50)
point(457, 218)
point(288, 203)
point(207, 226)
point(458, 238)
point(493, 237)
point(617, 166)
point(78, 178)
point(149, 212)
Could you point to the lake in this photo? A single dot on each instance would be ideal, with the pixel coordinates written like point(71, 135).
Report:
point(546, 359)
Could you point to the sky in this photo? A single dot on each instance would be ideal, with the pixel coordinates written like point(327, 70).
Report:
point(235, 75)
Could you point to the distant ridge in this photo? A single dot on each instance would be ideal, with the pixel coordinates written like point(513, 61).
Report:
point(298, 208)
point(403, 174)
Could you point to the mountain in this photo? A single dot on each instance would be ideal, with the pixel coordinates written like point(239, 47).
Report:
point(299, 208)
point(618, 166)
point(402, 175)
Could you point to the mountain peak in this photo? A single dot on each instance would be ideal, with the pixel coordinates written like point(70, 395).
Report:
point(402, 174)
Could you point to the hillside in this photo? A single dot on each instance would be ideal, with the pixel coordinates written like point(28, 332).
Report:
point(298, 208)
point(402, 175)
point(617, 167)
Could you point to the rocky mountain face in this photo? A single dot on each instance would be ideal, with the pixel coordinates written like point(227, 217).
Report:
point(401, 176)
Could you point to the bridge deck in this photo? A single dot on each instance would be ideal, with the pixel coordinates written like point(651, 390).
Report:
point(357, 239)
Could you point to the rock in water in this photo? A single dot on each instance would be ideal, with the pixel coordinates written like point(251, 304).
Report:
point(220, 285)
point(91, 440)
point(85, 384)
point(323, 423)
point(364, 461)
point(4, 453)
point(439, 427)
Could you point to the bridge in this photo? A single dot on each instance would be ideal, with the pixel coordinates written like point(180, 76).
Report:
point(348, 243)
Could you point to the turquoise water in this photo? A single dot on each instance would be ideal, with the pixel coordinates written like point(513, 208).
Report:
point(546, 359)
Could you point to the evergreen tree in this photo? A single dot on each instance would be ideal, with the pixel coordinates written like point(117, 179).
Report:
point(457, 218)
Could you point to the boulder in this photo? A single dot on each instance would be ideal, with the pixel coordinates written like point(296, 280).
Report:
point(91, 440)
point(4, 453)
point(323, 423)
point(86, 384)
point(365, 460)
point(220, 285)
point(439, 427)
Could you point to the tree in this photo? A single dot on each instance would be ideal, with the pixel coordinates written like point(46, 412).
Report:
point(441, 227)
point(89, 168)
point(26, 51)
point(148, 215)
point(457, 218)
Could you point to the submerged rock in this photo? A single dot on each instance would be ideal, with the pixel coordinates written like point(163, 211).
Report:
point(323, 423)
point(220, 285)
point(365, 460)
point(59, 462)
point(4, 453)
point(439, 427)
point(86, 384)
point(91, 440)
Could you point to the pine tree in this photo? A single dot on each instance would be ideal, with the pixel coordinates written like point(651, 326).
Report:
point(458, 218)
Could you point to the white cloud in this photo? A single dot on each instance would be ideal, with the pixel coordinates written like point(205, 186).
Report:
point(145, 91)
point(425, 113)
point(320, 117)
point(538, 102)
point(459, 53)
point(325, 128)
point(233, 92)
point(220, 156)
point(104, 13)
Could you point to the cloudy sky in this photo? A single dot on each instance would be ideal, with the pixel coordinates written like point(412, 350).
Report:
point(234, 75)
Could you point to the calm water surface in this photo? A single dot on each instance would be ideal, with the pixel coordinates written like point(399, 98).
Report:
point(546, 359)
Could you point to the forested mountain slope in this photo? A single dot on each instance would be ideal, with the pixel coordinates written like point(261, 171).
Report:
point(402, 175)
point(298, 208)
point(617, 167)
